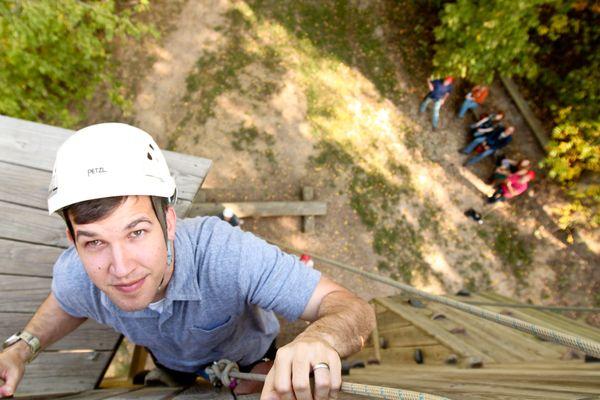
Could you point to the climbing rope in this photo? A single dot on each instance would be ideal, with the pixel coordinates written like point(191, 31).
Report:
point(534, 306)
point(585, 345)
point(226, 372)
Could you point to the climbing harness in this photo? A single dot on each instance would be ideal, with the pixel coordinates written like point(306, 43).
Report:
point(588, 346)
point(226, 373)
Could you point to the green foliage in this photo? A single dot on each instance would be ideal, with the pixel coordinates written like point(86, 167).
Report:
point(477, 39)
point(569, 38)
point(574, 148)
point(55, 54)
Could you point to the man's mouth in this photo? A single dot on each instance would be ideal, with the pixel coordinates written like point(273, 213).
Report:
point(130, 287)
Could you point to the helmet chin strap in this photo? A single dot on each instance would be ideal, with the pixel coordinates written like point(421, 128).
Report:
point(169, 261)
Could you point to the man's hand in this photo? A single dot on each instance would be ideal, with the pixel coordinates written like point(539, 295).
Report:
point(289, 377)
point(12, 367)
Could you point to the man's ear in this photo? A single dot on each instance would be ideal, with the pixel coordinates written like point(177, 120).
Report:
point(171, 222)
point(69, 237)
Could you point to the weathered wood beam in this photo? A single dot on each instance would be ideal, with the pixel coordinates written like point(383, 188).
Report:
point(533, 122)
point(262, 209)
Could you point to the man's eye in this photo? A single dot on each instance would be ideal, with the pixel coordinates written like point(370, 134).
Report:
point(94, 243)
point(137, 233)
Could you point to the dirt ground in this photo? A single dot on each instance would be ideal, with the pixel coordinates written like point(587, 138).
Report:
point(275, 163)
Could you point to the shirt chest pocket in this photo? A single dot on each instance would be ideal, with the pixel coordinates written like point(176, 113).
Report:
point(211, 333)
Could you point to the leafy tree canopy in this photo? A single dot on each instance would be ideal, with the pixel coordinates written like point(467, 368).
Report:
point(53, 54)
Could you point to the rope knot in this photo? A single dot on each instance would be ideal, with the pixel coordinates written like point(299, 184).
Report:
point(218, 373)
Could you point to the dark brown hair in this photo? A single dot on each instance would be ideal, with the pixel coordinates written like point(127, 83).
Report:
point(89, 211)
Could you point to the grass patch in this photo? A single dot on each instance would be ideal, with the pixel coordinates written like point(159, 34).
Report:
point(221, 71)
point(254, 142)
point(515, 251)
point(339, 30)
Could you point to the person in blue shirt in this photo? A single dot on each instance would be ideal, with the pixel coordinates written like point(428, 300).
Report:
point(500, 137)
point(193, 291)
point(439, 90)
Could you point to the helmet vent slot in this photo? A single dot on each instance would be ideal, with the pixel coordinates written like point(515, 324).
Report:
point(149, 156)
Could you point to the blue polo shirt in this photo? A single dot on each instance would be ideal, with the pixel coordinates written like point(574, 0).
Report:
point(220, 301)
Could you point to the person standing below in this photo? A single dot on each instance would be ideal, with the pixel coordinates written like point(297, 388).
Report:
point(473, 99)
point(486, 124)
point(513, 186)
point(496, 140)
point(229, 216)
point(439, 90)
point(505, 167)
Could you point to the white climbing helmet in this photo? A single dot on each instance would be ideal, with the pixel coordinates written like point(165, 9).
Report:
point(106, 160)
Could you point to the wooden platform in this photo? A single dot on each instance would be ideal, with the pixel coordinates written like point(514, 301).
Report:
point(512, 364)
point(543, 381)
point(30, 242)
point(440, 331)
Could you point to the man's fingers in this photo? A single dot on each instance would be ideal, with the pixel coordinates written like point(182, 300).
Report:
point(301, 379)
point(335, 376)
point(282, 377)
point(268, 391)
point(322, 383)
point(10, 382)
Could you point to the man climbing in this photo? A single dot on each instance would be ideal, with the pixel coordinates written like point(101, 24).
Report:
point(191, 291)
point(439, 90)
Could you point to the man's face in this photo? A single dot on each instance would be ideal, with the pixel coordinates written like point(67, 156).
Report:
point(125, 254)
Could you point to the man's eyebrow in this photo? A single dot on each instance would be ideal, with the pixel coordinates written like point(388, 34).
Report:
point(81, 233)
point(137, 221)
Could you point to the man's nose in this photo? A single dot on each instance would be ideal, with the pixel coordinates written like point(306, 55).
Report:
point(119, 266)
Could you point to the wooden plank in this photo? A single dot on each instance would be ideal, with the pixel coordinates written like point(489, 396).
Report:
point(148, 393)
point(203, 391)
point(308, 221)
point(389, 320)
point(23, 185)
point(90, 335)
point(63, 372)
point(22, 294)
point(409, 336)
point(503, 344)
point(375, 339)
point(444, 337)
point(138, 361)
point(487, 382)
point(533, 122)
point(432, 354)
point(97, 394)
point(27, 259)
point(563, 384)
point(262, 209)
point(31, 225)
point(34, 145)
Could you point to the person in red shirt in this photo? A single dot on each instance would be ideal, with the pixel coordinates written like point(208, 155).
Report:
point(513, 186)
point(473, 99)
